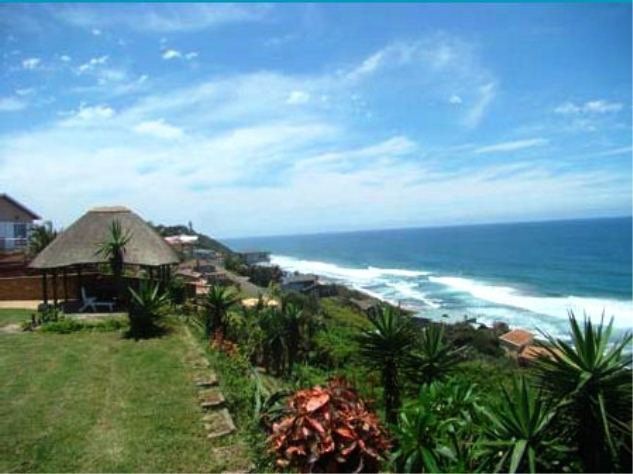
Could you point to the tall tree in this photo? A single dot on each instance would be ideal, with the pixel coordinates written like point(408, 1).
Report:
point(387, 346)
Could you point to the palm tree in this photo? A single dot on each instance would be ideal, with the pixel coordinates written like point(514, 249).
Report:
point(594, 377)
point(432, 359)
point(219, 301)
point(113, 249)
point(41, 236)
point(386, 346)
point(519, 431)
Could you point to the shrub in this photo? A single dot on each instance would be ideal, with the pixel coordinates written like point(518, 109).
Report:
point(67, 326)
point(329, 430)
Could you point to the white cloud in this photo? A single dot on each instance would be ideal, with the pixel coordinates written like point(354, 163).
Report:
point(96, 32)
point(298, 97)
point(589, 107)
point(455, 99)
point(11, 104)
point(31, 63)
point(25, 91)
point(159, 129)
point(191, 55)
point(90, 113)
point(161, 17)
point(65, 58)
point(475, 114)
point(512, 145)
point(92, 64)
point(171, 54)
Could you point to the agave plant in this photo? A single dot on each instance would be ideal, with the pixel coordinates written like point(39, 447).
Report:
point(148, 304)
point(518, 434)
point(329, 429)
point(386, 346)
point(593, 376)
point(113, 249)
point(218, 303)
point(432, 359)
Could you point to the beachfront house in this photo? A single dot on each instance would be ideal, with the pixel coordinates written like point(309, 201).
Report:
point(516, 340)
point(16, 224)
point(299, 282)
point(254, 256)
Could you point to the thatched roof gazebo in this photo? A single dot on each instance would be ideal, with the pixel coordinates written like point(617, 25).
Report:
point(78, 246)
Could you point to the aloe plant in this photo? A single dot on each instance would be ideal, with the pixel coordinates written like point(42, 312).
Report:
point(593, 376)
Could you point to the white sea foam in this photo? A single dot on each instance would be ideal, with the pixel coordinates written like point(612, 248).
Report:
point(359, 276)
point(622, 311)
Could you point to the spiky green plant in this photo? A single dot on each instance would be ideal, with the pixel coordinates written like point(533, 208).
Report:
point(147, 306)
point(218, 303)
point(436, 432)
point(518, 435)
point(113, 249)
point(386, 346)
point(293, 318)
point(433, 359)
point(593, 375)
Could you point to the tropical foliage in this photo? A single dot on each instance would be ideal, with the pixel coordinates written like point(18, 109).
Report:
point(593, 376)
point(218, 303)
point(387, 346)
point(147, 306)
point(519, 435)
point(113, 249)
point(41, 236)
point(329, 429)
point(433, 359)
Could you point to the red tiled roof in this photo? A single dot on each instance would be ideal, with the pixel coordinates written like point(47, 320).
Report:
point(534, 352)
point(518, 337)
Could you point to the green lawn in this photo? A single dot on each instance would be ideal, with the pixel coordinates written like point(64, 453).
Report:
point(99, 402)
point(12, 316)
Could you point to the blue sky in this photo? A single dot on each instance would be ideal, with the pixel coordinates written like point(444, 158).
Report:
point(256, 119)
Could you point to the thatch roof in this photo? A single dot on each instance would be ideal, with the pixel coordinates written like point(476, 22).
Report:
point(80, 242)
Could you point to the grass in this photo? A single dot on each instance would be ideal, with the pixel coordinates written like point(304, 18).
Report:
point(13, 316)
point(98, 402)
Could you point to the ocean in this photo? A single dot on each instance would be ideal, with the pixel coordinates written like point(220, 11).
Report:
point(526, 274)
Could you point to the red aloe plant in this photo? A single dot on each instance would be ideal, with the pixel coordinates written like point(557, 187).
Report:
point(329, 429)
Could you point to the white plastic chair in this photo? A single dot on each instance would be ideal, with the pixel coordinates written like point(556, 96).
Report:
point(92, 303)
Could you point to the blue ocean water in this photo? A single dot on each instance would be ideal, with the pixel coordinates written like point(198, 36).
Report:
point(527, 274)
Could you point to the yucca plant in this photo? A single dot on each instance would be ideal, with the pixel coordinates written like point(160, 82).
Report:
point(433, 359)
point(518, 435)
point(218, 303)
point(593, 375)
point(113, 249)
point(147, 306)
point(386, 346)
point(275, 340)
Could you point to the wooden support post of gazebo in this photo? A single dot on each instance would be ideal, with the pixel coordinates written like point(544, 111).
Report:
point(44, 287)
point(55, 287)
